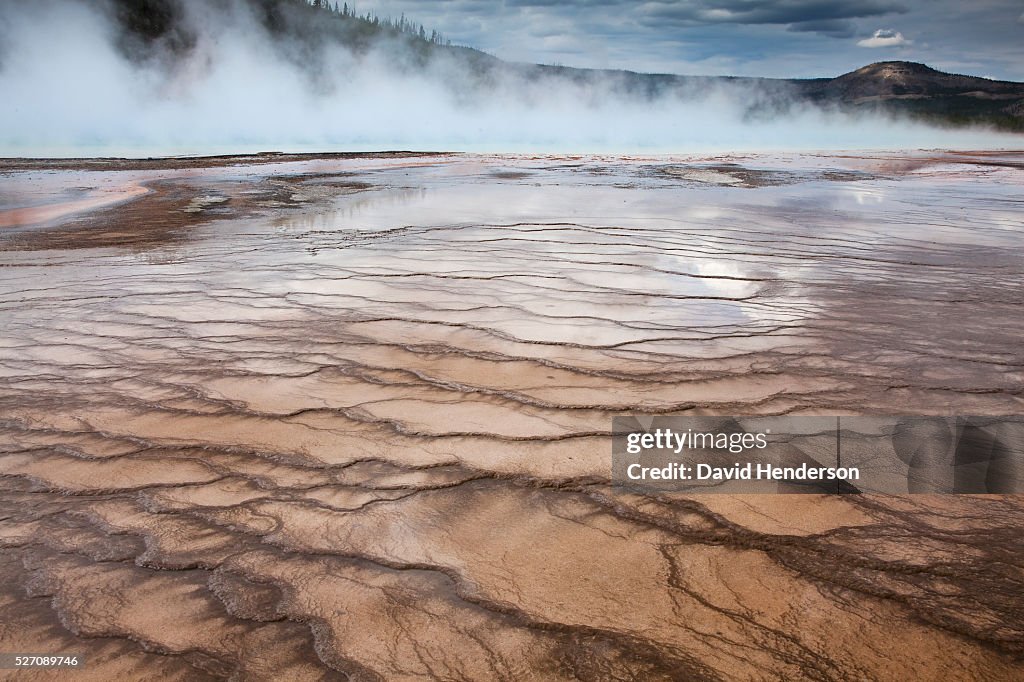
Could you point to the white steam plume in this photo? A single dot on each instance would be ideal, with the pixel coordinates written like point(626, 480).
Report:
point(70, 91)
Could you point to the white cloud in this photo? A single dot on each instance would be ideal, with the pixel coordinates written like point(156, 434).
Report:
point(884, 37)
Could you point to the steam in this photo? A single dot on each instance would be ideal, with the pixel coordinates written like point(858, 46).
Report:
point(70, 89)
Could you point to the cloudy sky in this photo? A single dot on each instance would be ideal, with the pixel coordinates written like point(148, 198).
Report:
point(795, 38)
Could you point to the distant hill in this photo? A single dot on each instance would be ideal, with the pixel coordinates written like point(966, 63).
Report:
point(923, 92)
point(909, 80)
point(154, 29)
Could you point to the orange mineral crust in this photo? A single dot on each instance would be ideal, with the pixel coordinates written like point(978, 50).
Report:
point(349, 416)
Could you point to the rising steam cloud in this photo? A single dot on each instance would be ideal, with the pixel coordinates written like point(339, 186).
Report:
point(71, 88)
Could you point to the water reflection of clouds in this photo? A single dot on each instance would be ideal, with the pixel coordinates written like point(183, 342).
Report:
point(354, 211)
point(866, 195)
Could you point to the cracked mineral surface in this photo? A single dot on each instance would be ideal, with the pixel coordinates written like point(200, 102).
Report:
point(349, 416)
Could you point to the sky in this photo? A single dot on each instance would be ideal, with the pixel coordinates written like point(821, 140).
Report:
point(785, 38)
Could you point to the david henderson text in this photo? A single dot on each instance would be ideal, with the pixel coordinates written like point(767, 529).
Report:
point(740, 472)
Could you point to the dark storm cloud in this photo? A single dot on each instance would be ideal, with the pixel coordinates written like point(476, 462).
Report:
point(833, 28)
point(787, 12)
point(824, 16)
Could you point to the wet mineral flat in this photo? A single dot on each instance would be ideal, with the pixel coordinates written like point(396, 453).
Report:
point(278, 417)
